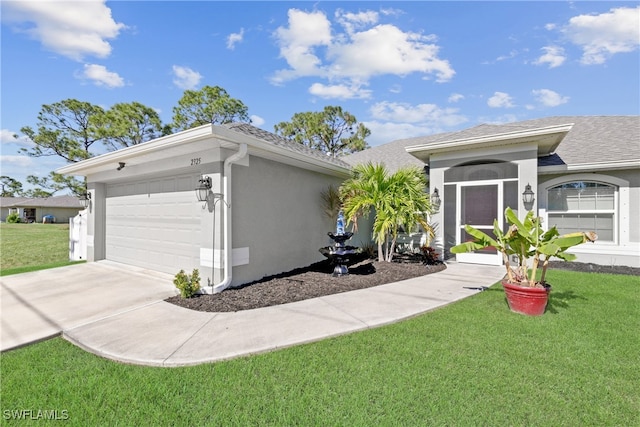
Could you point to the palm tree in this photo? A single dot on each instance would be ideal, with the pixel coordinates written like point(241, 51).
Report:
point(398, 200)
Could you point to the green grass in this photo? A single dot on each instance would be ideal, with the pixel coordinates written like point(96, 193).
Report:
point(29, 247)
point(470, 363)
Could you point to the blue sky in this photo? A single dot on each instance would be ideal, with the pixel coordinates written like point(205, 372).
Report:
point(404, 69)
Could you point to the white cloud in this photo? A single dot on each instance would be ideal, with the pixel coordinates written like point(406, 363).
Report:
point(297, 43)
point(385, 49)
point(185, 77)
point(7, 137)
point(500, 100)
point(74, 29)
point(235, 38)
point(257, 120)
point(392, 121)
point(601, 36)
point(101, 76)
point(383, 132)
point(353, 21)
point(549, 98)
point(553, 55)
point(455, 97)
point(20, 161)
point(511, 55)
point(339, 91)
point(365, 49)
point(500, 120)
point(421, 113)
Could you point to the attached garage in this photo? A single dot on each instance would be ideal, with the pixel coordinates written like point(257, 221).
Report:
point(153, 224)
point(144, 210)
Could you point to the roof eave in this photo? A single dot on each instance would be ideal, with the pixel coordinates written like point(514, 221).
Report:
point(107, 160)
point(260, 148)
point(209, 136)
point(548, 138)
point(589, 167)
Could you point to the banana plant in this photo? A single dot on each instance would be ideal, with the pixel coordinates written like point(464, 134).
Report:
point(527, 241)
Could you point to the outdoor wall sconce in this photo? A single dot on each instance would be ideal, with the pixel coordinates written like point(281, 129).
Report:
point(202, 190)
point(435, 200)
point(121, 166)
point(528, 197)
point(85, 200)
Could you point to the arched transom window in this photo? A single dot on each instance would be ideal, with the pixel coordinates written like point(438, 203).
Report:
point(583, 206)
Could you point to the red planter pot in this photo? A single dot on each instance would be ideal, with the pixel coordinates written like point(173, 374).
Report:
point(525, 299)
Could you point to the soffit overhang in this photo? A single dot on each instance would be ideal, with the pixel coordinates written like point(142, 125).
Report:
point(196, 140)
point(547, 140)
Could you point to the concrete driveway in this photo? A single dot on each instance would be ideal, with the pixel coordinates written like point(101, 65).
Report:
point(41, 304)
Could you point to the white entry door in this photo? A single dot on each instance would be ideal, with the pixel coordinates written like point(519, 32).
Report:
point(478, 205)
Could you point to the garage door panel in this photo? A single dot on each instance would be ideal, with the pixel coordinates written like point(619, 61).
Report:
point(154, 229)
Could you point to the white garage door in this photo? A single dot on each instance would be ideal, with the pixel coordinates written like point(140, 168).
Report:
point(154, 224)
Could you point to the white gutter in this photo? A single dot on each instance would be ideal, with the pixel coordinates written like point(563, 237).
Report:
point(226, 191)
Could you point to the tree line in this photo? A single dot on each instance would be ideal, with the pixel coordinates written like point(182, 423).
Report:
point(73, 130)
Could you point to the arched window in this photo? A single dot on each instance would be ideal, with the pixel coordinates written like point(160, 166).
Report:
point(583, 206)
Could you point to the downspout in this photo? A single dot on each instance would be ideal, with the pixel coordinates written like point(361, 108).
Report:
point(227, 241)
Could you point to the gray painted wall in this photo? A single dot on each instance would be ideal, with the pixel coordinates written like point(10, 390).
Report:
point(277, 214)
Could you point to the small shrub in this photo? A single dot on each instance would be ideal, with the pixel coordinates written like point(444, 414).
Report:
point(188, 285)
point(369, 250)
point(430, 255)
point(13, 218)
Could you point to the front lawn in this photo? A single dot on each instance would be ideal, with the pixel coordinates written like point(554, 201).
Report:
point(469, 363)
point(25, 247)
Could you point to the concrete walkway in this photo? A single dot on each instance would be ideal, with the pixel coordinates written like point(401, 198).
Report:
point(153, 332)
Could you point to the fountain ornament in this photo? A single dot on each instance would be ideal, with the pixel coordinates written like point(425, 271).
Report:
point(340, 253)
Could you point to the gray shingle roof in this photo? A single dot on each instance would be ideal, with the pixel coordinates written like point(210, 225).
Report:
point(273, 139)
point(41, 202)
point(593, 139)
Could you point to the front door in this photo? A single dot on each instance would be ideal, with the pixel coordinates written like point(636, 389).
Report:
point(479, 204)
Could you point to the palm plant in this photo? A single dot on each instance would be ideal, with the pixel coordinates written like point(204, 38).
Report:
point(331, 202)
point(525, 240)
point(398, 200)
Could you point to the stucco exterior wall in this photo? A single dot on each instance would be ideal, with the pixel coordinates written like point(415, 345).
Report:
point(277, 214)
point(524, 155)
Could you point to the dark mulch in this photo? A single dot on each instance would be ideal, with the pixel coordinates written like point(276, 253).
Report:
point(316, 281)
point(313, 281)
point(594, 268)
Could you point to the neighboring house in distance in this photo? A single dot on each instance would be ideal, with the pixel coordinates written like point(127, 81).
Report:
point(34, 209)
point(263, 214)
point(584, 172)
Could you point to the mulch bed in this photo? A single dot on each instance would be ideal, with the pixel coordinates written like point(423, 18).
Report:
point(594, 268)
point(316, 281)
point(313, 281)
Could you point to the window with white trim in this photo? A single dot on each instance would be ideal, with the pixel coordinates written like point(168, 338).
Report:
point(584, 206)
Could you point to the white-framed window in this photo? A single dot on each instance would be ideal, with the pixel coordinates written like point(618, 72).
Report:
point(583, 205)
